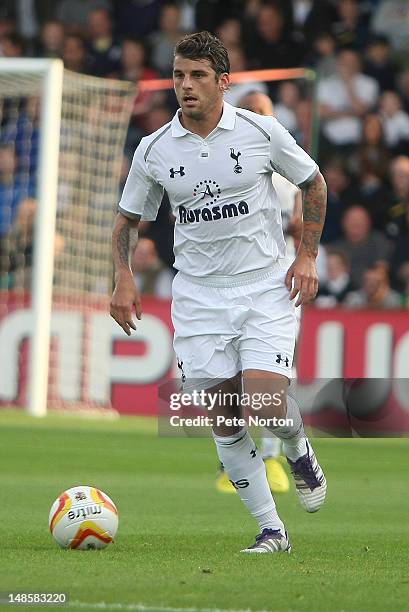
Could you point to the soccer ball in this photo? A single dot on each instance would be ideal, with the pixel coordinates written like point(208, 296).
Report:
point(84, 518)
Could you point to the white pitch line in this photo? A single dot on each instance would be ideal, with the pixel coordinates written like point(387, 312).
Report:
point(138, 607)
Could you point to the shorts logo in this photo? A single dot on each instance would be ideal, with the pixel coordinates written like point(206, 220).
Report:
point(210, 188)
point(173, 172)
point(284, 360)
point(237, 168)
point(183, 375)
point(212, 214)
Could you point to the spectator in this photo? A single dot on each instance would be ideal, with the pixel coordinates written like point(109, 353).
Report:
point(307, 18)
point(22, 132)
point(370, 167)
point(376, 292)
point(7, 25)
point(397, 212)
point(372, 153)
point(379, 63)
point(11, 46)
point(151, 275)
point(163, 41)
point(323, 58)
point(395, 122)
point(74, 13)
point(16, 251)
point(304, 113)
point(209, 14)
point(137, 19)
point(338, 185)
point(338, 285)
point(134, 68)
point(350, 29)
point(104, 51)
point(398, 225)
point(343, 99)
point(29, 16)
point(134, 61)
point(286, 106)
point(364, 247)
point(404, 89)
point(403, 278)
point(272, 46)
point(14, 187)
point(75, 53)
point(391, 18)
point(51, 40)
point(158, 117)
point(21, 242)
point(229, 32)
point(237, 91)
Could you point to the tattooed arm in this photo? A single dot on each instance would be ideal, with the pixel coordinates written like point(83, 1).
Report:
point(126, 295)
point(314, 207)
point(302, 278)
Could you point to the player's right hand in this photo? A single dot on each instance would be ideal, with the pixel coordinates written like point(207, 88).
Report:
point(124, 299)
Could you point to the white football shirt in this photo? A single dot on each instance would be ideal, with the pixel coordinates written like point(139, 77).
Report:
point(228, 218)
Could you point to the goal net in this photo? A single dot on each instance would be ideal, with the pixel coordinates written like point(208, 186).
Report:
point(61, 145)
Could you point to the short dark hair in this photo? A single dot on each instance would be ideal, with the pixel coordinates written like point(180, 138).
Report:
point(203, 45)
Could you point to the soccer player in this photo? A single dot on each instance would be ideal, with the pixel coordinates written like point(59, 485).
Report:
point(290, 200)
point(233, 299)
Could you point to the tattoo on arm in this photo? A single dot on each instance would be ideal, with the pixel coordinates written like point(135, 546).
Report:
point(314, 207)
point(124, 241)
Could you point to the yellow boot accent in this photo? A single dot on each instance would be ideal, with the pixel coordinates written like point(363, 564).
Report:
point(276, 476)
point(223, 484)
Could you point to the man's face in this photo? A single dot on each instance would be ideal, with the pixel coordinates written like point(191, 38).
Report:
point(257, 103)
point(372, 282)
point(335, 266)
point(197, 88)
point(348, 64)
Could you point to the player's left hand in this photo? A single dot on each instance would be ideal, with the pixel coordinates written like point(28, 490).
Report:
point(302, 279)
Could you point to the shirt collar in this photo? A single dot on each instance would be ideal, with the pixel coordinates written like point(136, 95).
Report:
point(227, 121)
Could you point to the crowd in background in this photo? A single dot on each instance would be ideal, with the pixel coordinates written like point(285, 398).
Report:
point(360, 51)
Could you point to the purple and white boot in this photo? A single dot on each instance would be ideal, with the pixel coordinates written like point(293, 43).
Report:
point(309, 479)
point(270, 541)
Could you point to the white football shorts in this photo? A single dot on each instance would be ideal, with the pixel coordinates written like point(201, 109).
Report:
point(224, 325)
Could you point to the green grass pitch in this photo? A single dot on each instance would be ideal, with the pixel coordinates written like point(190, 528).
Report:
point(179, 539)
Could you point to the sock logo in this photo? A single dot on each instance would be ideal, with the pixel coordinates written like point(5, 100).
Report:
point(253, 453)
point(243, 483)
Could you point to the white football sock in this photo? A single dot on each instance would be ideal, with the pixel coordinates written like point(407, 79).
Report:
point(292, 435)
point(270, 446)
point(246, 469)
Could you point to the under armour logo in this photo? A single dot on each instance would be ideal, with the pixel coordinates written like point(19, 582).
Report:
point(237, 168)
point(253, 453)
point(181, 171)
point(285, 360)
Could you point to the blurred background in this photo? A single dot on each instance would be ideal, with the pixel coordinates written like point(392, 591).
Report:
point(359, 50)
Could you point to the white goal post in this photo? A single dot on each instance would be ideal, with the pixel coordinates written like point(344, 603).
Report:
point(51, 73)
point(81, 130)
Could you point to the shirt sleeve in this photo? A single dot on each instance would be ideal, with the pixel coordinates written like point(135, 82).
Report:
point(288, 159)
point(142, 195)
